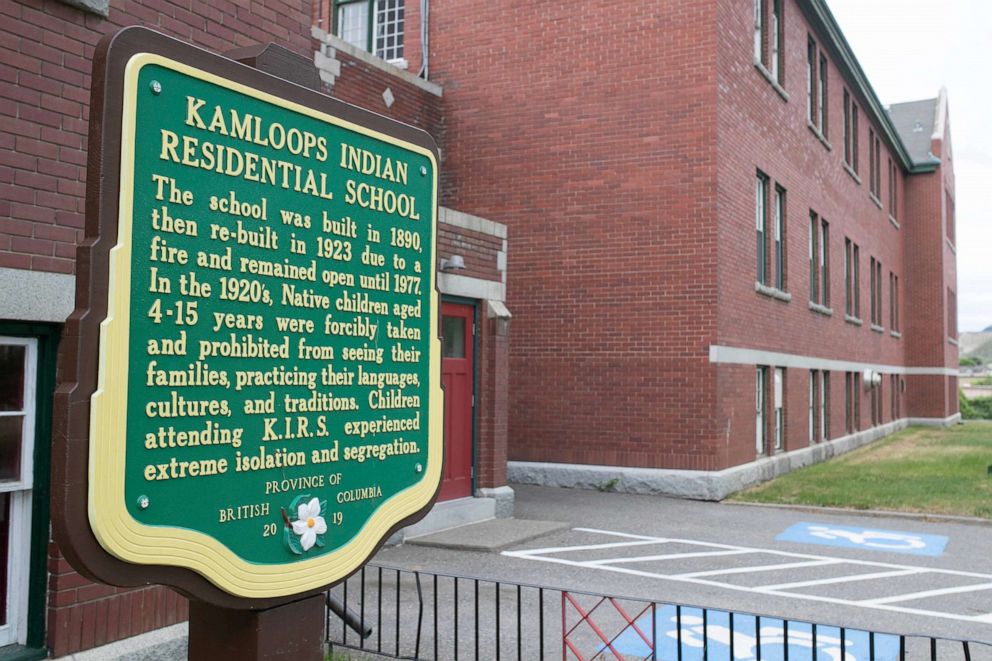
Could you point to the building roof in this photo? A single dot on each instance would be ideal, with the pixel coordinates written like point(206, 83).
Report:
point(914, 121)
point(823, 21)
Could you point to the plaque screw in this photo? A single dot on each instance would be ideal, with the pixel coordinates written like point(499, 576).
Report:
point(423, 170)
point(143, 502)
point(418, 468)
point(156, 87)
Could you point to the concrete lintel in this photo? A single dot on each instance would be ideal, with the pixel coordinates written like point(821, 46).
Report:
point(691, 484)
point(462, 285)
point(36, 295)
point(467, 221)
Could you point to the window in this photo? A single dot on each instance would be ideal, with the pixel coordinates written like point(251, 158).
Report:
point(779, 408)
point(894, 394)
point(816, 88)
point(847, 127)
point(819, 262)
point(949, 212)
point(854, 137)
point(852, 284)
point(819, 406)
point(18, 388)
point(893, 302)
point(852, 402)
point(759, 31)
point(779, 230)
point(821, 96)
point(760, 221)
point(824, 264)
point(874, 164)
point(775, 58)
point(876, 404)
point(761, 387)
point(893, 191)
point(952, 314)
point(373, 25)
point(768, 38)
point(811, 81)
point(825, 406)
point(876, 292)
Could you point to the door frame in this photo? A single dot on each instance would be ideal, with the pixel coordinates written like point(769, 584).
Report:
point(47, 336)
point(474, 304)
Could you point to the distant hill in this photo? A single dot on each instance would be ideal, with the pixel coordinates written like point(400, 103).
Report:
point(977, 345)
point(988, 329)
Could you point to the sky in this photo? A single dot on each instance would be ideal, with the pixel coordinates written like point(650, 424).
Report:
point(910, 49)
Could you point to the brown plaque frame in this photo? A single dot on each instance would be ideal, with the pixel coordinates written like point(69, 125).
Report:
point(78, 351)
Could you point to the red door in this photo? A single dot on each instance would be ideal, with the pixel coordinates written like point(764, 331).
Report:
point(457, 325)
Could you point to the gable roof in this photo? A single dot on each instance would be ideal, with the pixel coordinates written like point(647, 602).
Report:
point(914, 121)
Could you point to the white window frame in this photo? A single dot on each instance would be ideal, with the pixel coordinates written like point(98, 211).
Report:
point(775, 39)
point(758, 32)
point(779, 381)
point(14, 631)
point(824, 404)
point(761, 388)
point(812, 407)
point(778, 214)
point(760, 224)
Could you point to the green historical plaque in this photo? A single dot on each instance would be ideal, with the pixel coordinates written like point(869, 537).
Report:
point(268, 403)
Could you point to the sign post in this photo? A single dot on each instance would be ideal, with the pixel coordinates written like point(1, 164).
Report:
point(251, 394)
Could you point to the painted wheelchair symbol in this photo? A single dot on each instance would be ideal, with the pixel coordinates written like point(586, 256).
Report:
point(746, 646)
point(875, 539)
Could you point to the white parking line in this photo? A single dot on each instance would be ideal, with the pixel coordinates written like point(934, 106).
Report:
point(748, 570)
point(779, 590)
point(844, 579)
point(927, 593)
point(668, 556)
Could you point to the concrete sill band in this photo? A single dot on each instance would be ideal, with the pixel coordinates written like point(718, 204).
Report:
point(701, 485)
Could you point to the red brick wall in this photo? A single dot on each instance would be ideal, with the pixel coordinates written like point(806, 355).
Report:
point(82, 614)
point(47, 48)
point(591, 133)
point(492, 403)
point(759, 130)
point(362, 84)
point(479, 250)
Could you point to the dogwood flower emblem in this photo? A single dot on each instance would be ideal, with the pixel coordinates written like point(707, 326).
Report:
point(309, 523)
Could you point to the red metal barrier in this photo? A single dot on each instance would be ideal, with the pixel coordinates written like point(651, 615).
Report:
point(605, 642)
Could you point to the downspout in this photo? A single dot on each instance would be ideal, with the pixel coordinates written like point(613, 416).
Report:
point(424, 9)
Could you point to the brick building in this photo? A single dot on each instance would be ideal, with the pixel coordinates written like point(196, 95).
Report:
point(728, 257)
point(47, 49)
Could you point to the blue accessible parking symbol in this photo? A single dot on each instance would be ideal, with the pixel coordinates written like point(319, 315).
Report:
point(870, 539)
point(718, 635)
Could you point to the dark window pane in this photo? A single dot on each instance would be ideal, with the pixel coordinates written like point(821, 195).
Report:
point(4, 552)
point(10, 446)
point(11, 377)
point(453, 336)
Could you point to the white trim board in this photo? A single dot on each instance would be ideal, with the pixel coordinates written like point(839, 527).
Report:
point(742, 356)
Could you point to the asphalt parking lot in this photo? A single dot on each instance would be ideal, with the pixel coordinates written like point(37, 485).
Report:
point(888, 574)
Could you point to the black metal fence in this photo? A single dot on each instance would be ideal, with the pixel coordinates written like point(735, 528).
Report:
point(403, 614)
